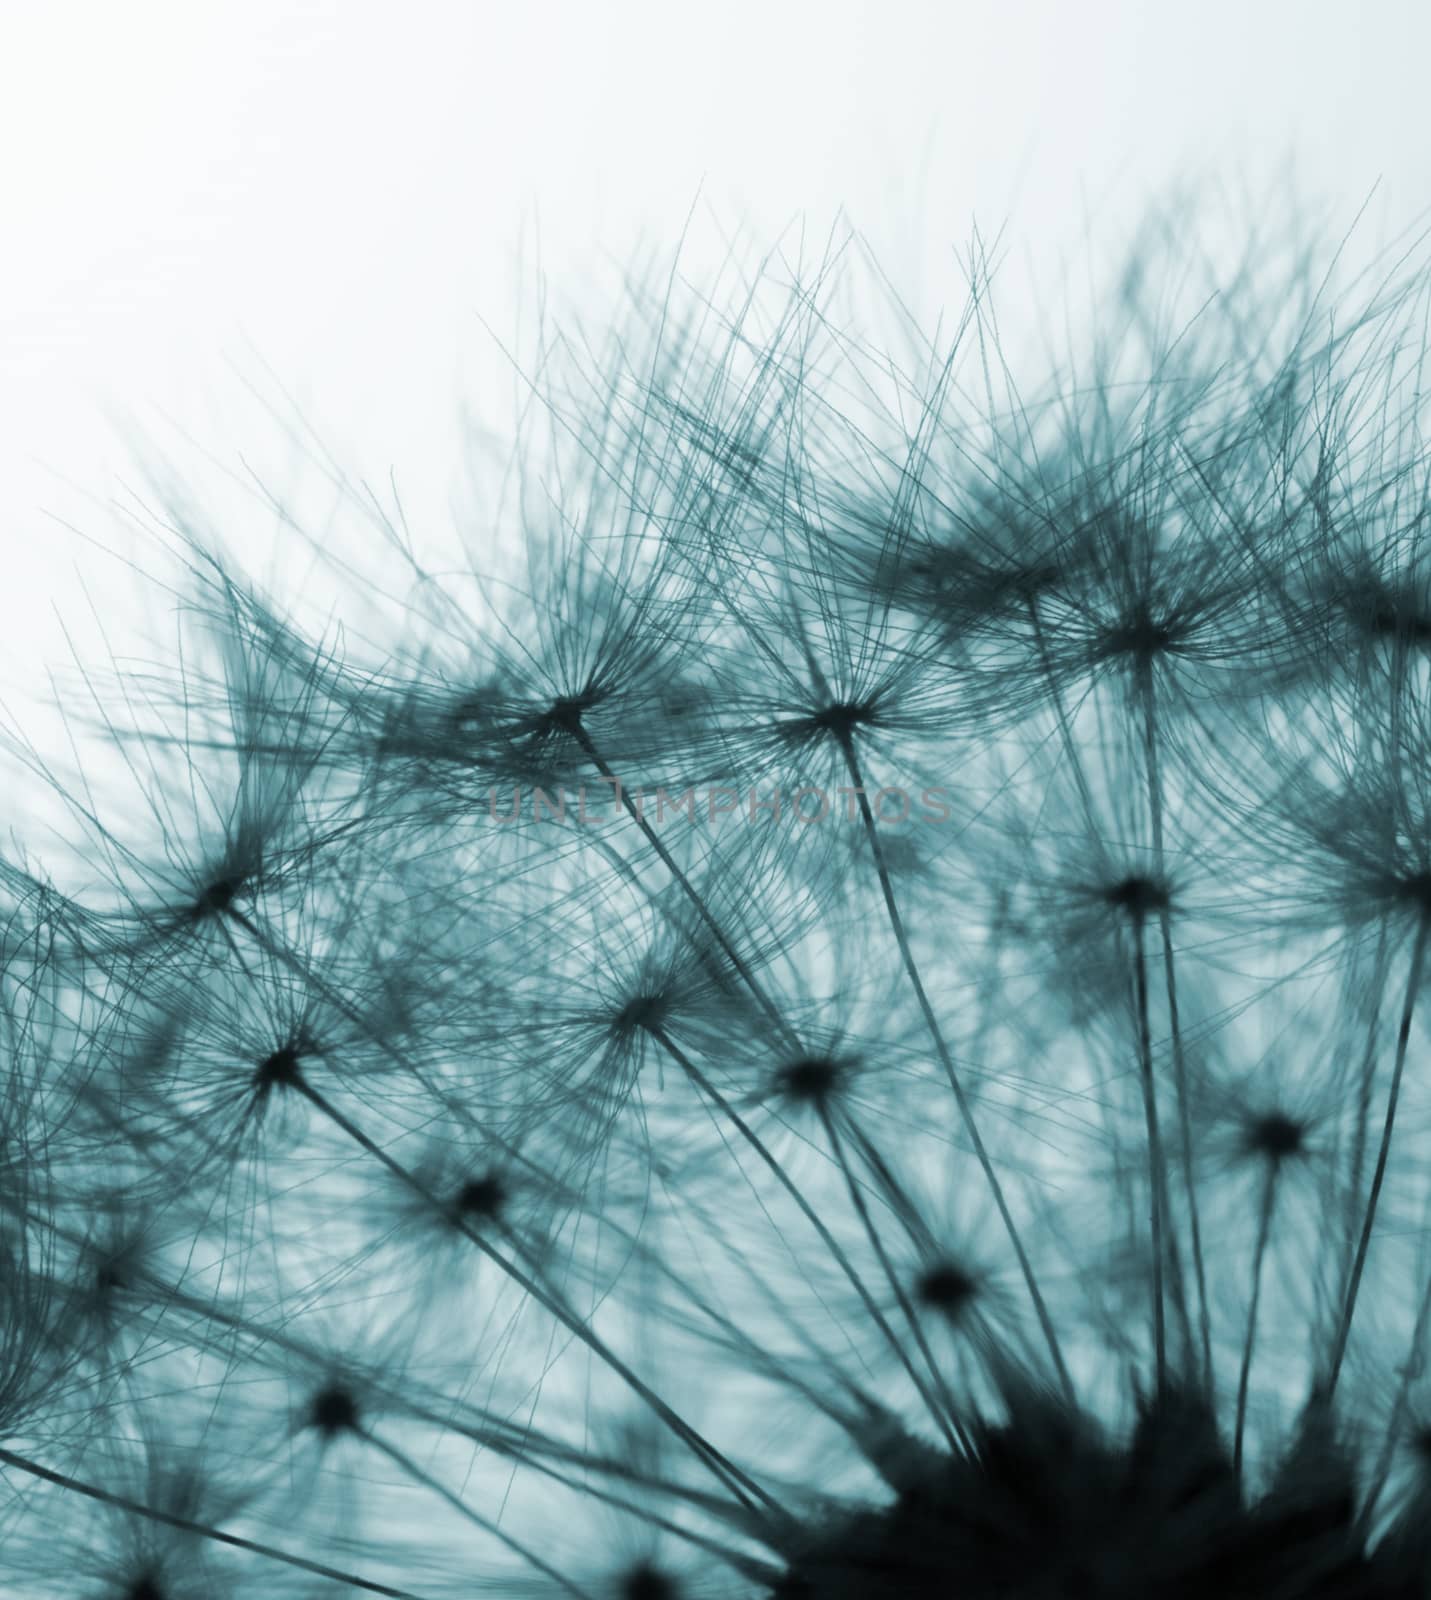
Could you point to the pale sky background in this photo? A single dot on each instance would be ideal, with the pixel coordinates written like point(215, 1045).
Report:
point(345, 191)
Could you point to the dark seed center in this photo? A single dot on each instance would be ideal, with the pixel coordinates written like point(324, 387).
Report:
point(278, 1070)
point(646, 1582)
point(945, 1287)
point(482, 1197)
point(567, 710)
point(1138, 896)
point(1389, 620)
point(1416, 888)
point(809, 1080)
point(333, 1410)
point(1141, 637)
point(842, 717)
point(108, 1279)
point(1277, 1135)
point(217, 897)
point(642, 1011)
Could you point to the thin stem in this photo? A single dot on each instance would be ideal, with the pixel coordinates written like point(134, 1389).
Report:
point(756, 1143)
point(171, 1519)
point(749, 1349)
point(1403, 1036)
point(735, 1480)
point(777, 1021)
point(406, 1464)
point(944, 1411)
point(1164, 1245)
point(773, 1016)
point(961, 1098)
point(1264, 1229)
point(1365, 1083)
point(780, 1026)
point(1065, 728)
point(1410, 1370)
point(1180, 1080)
point(1156, 1180)
point(1153, 774)
point(524, 1446)
point(703, 911)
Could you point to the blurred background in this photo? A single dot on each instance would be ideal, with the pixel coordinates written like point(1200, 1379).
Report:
point(349, 203)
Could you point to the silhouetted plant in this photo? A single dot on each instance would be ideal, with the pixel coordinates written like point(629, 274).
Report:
point(834, 1007)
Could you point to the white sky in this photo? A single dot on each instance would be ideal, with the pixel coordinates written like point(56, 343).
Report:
point(340, 188)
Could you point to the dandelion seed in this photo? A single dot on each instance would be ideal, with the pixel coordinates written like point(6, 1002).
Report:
point(953, 1121)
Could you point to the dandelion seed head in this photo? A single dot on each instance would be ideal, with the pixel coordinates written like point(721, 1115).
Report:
point(217, 897)
point(1139, 896)
point(841, 718)
point(642, 1013)
point(896, 1187)
point(1276, 1136)
point(110, 1278)
point(333, 1410)
point(280, 1069)
point(566, 711)
point(1384, 605)
point(811, 1080)
point(946, 1288)
point(1414, 890)
point(1142, 638)
point(482, 1198)
point(1390, 621)
point(646, 1581)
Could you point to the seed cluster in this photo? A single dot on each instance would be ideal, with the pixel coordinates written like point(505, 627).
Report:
point(1026, 1196)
